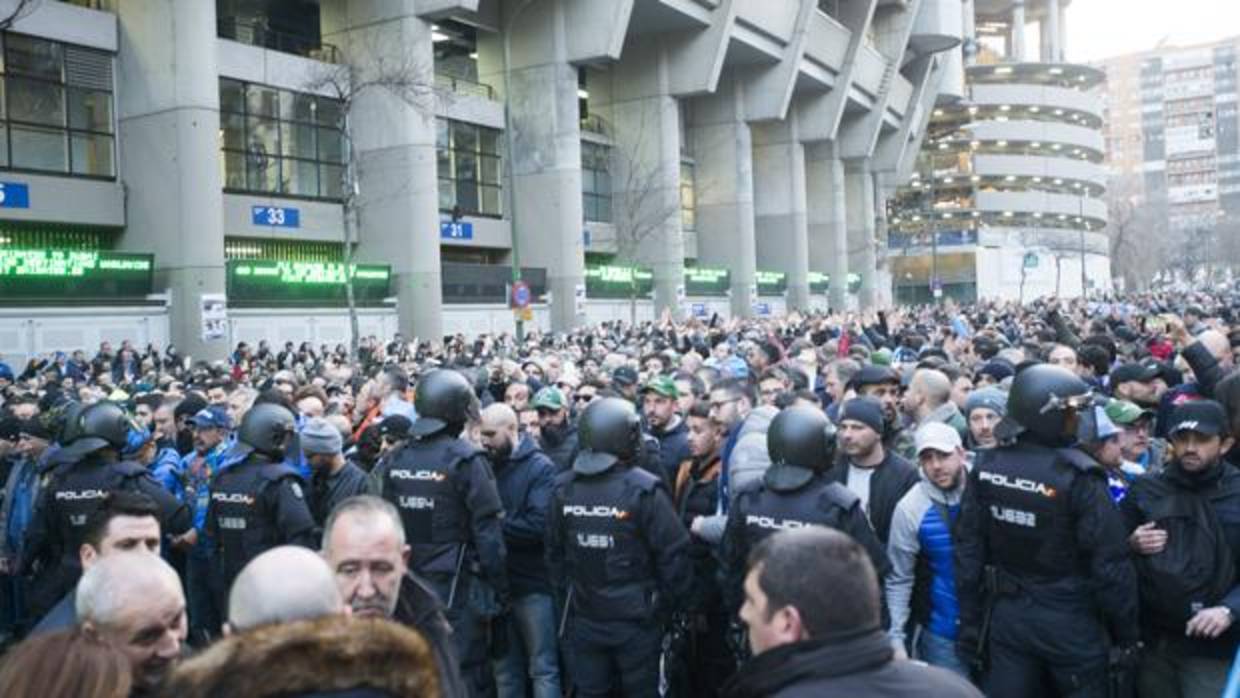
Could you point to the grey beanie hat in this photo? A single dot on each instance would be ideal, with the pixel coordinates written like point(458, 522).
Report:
point(320, 436)
point(991, 398)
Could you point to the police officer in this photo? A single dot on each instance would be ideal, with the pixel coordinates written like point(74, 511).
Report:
point(793, 493)
point(80, 475)
point(446, 495)
point(257, 501)
point(617, 554)
point(1038, 532)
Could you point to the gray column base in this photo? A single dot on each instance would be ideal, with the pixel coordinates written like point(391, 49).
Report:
point(185, 314)
point(419, 304)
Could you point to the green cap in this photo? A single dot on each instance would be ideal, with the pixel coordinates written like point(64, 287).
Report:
point(662, 385)
point(882, 357)
point(549, 398)
point(1125, 412)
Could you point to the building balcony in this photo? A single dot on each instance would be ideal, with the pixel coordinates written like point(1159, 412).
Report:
point(256, 34)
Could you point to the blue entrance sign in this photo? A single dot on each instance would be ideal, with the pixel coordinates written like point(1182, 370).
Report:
point(14, 195)
point(275, 216)
point(698, 309)
point(456, 230)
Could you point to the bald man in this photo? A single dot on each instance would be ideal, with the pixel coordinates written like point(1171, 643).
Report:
point(525, 477)
point(928, 399)
point(134, 600)
point(284, 584)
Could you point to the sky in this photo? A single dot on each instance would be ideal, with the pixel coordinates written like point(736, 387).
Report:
point(1100, 29)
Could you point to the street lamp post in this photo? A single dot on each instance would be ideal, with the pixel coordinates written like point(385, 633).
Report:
point(1081, 217)
point(508, 150)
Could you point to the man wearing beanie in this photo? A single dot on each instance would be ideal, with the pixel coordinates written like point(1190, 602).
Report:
point(333, 479)
point(982, 411)
point(879, 477)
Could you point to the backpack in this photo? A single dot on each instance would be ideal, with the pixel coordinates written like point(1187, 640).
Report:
point(1197, 567)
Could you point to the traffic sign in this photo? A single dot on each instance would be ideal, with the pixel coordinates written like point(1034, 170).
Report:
point(520, 294)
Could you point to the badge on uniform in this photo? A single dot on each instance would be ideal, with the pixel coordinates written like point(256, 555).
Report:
point(297, 490)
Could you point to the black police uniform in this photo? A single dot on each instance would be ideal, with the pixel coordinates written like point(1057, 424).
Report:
point(447, 498)
point(1037, 522)
point(616, 545)
point(256, 505)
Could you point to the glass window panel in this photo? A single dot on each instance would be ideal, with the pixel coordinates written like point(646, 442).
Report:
point(329, 181)
point(233, 128)
point(4, 146)
point(464, 137)
point(232, 96)
point(488, 170)
point(331, 145)
point(492, 201)
point(40, 149)
point(447, 194)
point(262, 101)
point(300, 106)
point(90, 110)
point(489, 141)
point(234, 170)
point(466, 166)
point(301, 177)
point(604, 209)
point(4, 111)
point(26, 54)
point(587, 207)
point(36, 102)
point(442, 134)
point(587, 181)
point(262, 137)
point(92, 154)
point(467, 196)
point(444, 159)
point(328, 111)
point(297, 140)
point(262, 172)
point(602, 183)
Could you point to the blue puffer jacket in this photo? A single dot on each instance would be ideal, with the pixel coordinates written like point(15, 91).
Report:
point(525, 484)
point(922, 582)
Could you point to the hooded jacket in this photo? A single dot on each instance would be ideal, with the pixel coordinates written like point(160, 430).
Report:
point(333, 656)
point(747, 463)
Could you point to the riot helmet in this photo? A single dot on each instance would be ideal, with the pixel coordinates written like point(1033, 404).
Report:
point(803, 437)
point(98, 426)
point(1043, 403)
point(267, 428)
point(609, 432)
point(444, 398)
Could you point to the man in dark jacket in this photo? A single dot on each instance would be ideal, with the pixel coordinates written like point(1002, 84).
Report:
point(1189, 625)
point(556, 434)
point(875, 474)
point(332, 478)
point(659, 406)
point(525, 478)
point(810, 644)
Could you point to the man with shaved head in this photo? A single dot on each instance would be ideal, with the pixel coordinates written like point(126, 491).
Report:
point(525, 477)
point(284, 584)
point(928, 399)
point(134, 600)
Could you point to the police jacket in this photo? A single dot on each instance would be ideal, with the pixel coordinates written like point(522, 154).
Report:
point(891, 480)
point(615, 544)
point(255, 505)
point(1044, 518)
point(525, 483)
point(1148, 500)
point(673, 448)
point(445, 492)
point(790, 497)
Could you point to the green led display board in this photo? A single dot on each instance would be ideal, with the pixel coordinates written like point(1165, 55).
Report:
point(771, 283)
point(617, 282)
point(274, 282)
point(77, 274)
point(704, 281)
point(821, 283)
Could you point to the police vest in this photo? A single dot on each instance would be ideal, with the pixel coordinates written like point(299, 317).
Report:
point(420, 482)
point(1023, 496)
point(242, 525)
point(765, 510)
point(606, 558)
point(77, 491)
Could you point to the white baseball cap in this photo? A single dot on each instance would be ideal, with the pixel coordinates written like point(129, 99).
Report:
point(937, 436)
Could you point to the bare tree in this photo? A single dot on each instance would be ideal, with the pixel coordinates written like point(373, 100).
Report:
point(1136, 233)
point(22, 9)
point(365, 70)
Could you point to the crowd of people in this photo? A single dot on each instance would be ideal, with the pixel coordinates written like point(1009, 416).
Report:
point(999, 499)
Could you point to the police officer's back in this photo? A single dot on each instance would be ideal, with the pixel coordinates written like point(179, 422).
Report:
point(445, 492)
point(1037, 530)
point(80, 475)
point(257, 500)
point(617, 553)
point(793, 493)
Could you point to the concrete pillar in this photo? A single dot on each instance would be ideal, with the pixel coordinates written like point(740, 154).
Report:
point(725, 214)
point(781, 222)
point(646, 185)
point(882, 273)
point(541, 94)
point(969, 33)
point(168, 121)
point(1052, 51)
point(828, 224)
point(859, 190)
point(1018, 31)
point(1063, 31)
point(394, 144)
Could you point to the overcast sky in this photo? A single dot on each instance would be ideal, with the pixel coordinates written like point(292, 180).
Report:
point(1100, 29)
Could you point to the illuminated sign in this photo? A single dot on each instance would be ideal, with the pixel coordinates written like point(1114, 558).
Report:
point(45, 273)
point(821, 283)
point(771, 283)
point(703, 281)
point(268, 282)
point(619, 282)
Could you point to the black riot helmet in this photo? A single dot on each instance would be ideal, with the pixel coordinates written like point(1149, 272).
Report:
point(101, 425)
point(610, 431)
point(801, 436)
point(68, 427)
point(444, 398)
point(267, 429)
point(1043, 403)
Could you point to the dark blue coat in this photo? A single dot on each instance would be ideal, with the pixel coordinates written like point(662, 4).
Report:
point(525, 483)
